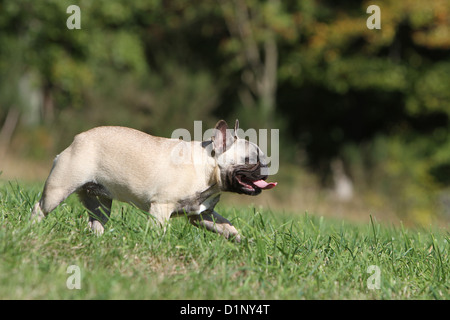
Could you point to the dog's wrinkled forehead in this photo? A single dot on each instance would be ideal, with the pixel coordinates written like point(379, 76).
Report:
point(243, 152)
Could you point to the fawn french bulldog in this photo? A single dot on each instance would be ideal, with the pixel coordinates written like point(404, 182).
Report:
point(166, 177)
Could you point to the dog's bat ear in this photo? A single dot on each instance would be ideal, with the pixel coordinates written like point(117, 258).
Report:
point(221, 125)
point(236, 127)
point(222, 138)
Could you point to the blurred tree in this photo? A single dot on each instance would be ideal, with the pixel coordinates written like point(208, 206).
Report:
point(343, 84)
point(365, 81)
point(335, 88)
point(254, 27)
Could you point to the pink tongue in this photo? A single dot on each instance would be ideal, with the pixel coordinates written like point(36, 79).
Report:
point(264, 185)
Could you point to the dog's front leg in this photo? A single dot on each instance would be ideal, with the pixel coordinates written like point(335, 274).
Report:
point(161, 212)
point(212, 221)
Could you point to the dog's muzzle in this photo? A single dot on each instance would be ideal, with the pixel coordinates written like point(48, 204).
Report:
point(247, 179)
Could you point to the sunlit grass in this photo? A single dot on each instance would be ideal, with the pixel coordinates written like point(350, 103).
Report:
point(298, 256)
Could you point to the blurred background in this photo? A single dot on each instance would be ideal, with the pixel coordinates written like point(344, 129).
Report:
point(363, 114)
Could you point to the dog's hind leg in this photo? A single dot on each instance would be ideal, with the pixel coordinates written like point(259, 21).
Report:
point(99, 207)
point(63, 180)
point(56, 190)
point(48, 202)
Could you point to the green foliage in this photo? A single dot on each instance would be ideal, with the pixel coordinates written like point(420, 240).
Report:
point(394, 174)
point(431, 91)
point(312, 69)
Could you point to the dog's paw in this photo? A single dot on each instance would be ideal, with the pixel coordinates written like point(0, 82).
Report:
point(96, 227)
point(37, 215)
point(230, 232)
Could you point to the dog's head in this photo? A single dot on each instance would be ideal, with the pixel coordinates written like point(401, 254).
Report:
point(243, 166)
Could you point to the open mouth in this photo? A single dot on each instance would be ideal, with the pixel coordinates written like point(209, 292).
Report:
point(253, 185)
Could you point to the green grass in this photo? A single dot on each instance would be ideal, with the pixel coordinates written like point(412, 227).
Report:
point(281, 256)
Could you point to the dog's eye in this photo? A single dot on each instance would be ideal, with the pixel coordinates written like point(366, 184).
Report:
point(247, 160)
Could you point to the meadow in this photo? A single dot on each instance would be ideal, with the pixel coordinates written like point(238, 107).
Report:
point(298, 255)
